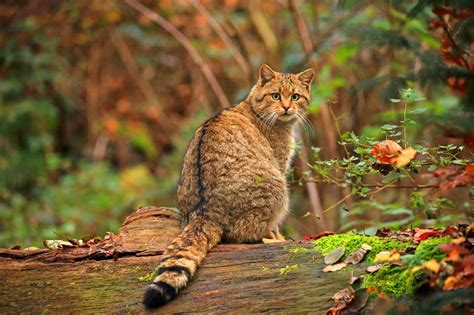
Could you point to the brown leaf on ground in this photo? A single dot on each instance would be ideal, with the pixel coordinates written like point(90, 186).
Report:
point(334, 256)
point(422, 234)
point(336, 267)
point(312, 237)
point(336, 310)
point(374, 268)
point(353, 279)
point(344, 296)
point(358, 255)
point(359, 301)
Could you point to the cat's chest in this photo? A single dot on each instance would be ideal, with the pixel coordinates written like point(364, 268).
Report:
point(280, 142)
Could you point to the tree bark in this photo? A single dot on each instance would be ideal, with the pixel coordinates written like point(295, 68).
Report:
point(103, 276)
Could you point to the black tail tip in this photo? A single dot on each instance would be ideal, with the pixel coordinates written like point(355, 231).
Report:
point(158, 294)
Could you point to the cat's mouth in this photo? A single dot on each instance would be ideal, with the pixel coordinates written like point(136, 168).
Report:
point(286, 117)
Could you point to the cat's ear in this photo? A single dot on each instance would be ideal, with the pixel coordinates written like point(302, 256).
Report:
point(266, 74)
point(306, 76)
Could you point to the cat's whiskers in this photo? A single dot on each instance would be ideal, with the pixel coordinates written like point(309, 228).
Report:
point(268, 120)
point(305, 123)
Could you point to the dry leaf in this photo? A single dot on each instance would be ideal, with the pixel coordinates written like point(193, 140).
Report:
point(336, 310)
point(57, 244)
point(458, 241)
point(374, 268)
point(357, 256)
point(334, 256)
point(432, 265)
point(450, 283)
point(366, 247)
point(312, 237)
point(405, 157)
point(344, 296)
point(422, 234)
point(387, 256)
point(359, 301)
point(336, 267)
point(353, 279)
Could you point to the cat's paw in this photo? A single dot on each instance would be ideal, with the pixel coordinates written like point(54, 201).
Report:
point(272, 240)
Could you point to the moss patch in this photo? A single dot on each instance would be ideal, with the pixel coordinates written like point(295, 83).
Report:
point(399, 281)
point(352, 241)
point(429, 249)
point(395, 281)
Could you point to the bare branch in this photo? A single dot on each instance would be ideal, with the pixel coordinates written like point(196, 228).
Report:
point(183, 40)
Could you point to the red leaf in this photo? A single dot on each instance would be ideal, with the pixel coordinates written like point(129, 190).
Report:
point(442, 10)
point(312, 237)
point(469, 141)
point(422, 234)
point(464, 14)
point(451, 231)
point(454, 251)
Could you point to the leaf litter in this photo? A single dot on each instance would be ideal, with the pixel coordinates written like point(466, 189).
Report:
point(450, 270)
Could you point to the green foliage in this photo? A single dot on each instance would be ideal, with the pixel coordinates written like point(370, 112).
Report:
point(29, 114)
point(99, 90)
point(366, 174)
point(87, 202)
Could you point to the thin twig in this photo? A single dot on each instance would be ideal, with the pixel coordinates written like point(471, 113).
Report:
point(339, 202)
point(419, 186)
point(405, 124)
point(223, 36)
point(183, 40)
point(338, 129)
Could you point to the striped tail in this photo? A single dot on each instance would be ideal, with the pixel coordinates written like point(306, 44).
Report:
point(181, 259)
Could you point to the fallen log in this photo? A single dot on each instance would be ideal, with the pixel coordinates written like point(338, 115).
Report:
point(109, 276)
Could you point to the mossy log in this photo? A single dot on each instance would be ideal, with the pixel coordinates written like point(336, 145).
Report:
point(107, 277)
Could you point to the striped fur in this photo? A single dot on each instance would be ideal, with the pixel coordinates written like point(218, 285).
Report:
point(233, 186)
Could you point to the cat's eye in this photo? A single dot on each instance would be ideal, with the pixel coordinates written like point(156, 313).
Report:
point(276, 96)
point(295, 97)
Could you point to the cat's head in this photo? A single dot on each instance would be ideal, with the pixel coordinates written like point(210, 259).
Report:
point(280, 96)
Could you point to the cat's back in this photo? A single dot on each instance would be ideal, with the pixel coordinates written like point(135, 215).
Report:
point(228, 152)
point(231, 135)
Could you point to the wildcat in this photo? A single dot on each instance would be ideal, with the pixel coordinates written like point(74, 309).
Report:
point(233, 182)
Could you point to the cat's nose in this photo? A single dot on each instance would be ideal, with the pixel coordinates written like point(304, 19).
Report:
point(286, 108)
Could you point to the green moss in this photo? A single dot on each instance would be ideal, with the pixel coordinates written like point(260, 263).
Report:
point(429, 249)
point(352, 241)
point(398, 281)
point(147, 278)
point(395, 281)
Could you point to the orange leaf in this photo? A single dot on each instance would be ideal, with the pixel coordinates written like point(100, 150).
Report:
point(450, 282)
point(386, 151)
point(405, 157)
point(432, 265)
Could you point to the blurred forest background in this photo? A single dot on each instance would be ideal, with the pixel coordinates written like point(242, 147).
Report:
point(98, 100)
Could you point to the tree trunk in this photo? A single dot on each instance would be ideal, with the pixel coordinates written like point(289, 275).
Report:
point(103, 276)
